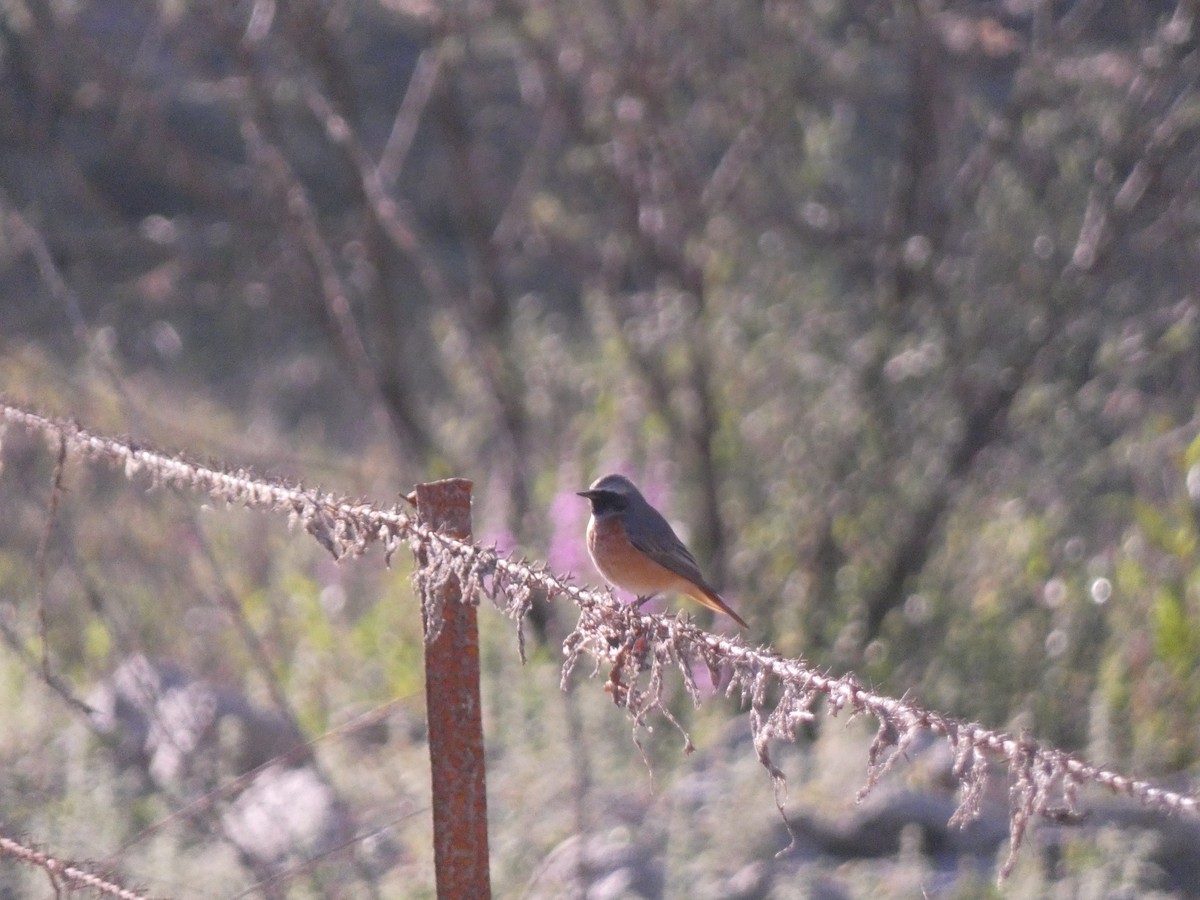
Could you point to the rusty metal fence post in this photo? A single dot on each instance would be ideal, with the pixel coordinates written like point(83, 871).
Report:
point(460, 837)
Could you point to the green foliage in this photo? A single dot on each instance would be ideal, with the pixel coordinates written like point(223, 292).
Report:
point(1150, 683)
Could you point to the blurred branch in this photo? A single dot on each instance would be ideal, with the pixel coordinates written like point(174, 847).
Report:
point(481, 311)
point(29, 238)
point(25, 236)
point(984, 407)
point(56, 491)
point(208, 803)
point(389, 214)
point(408, 116)
point(911, 214)
point(660, 211)
point(911, 551)
point(49, 678)
point(487, 307)
point(402, 411)
point(514, 219)
point(41, 667)
point(223, 597)
point(377, 378)
point(737, 157)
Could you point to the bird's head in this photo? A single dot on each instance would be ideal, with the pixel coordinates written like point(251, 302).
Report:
point(611, 494)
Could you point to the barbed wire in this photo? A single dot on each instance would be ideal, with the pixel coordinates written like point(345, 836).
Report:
point(641, 648)
point(59, 870)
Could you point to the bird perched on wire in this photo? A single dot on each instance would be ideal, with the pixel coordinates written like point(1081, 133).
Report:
point(636, 549)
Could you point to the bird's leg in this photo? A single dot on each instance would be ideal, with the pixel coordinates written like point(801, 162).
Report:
point(644, 598)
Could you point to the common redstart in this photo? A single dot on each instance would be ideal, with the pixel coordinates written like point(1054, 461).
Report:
point(636, 549)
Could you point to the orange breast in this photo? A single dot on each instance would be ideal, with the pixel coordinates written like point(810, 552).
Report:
point(626, 567)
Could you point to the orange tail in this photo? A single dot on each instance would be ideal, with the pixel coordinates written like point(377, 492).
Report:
point(713, 601)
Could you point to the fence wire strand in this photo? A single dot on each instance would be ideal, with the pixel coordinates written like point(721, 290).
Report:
point(641, 649)
point(75, 875)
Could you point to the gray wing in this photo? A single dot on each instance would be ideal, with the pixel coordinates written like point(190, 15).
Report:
point(653, 535)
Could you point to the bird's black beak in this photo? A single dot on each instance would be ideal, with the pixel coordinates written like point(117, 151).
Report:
point(587, 495)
